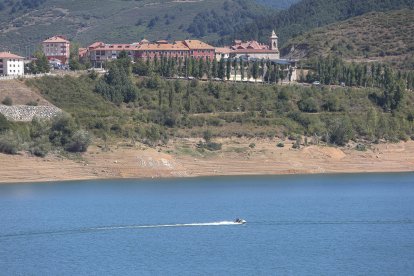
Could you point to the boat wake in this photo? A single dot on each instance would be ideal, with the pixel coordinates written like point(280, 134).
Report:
point(218, 223)
point(108, 228)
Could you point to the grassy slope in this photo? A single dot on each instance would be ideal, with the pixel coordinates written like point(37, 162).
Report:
point(237, 109)
point(379, 36)
point(109, 20)
point(76, 96)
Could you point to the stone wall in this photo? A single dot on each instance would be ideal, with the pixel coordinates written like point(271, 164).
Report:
point(25, 113)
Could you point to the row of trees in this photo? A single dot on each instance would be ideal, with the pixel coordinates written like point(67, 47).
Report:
point(393, 83)
point(225, 69)
point(333, 70)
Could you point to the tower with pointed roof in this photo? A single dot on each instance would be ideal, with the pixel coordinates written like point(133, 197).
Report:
point(273, 41)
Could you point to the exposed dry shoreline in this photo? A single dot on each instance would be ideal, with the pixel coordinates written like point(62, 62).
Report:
point(180, 159)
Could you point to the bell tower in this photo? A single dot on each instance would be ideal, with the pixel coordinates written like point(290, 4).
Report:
point(273, 41)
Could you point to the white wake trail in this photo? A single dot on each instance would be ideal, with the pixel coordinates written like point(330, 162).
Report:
point(218, 223)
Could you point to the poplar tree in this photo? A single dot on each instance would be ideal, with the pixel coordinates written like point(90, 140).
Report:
point(242, 69)
point(214, 68)
point(228, 69)
point(235, 68)
point(222, 69)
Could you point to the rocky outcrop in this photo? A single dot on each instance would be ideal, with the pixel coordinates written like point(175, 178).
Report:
point(25, 113)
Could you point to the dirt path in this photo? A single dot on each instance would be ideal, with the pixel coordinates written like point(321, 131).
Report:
point(180, 159)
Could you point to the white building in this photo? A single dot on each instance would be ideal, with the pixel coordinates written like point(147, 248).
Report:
point(251, 49)
point(11, 64)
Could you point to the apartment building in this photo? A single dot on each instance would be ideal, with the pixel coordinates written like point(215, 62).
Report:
point(11, 64)
point(57, 47)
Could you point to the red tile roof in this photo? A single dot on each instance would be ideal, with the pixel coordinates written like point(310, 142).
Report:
point(240, 51)
point(177, 46)
point(197, 44)
point(253, 44)
point(9, 55)
point(223, 50)
point(112, 47)
point(56, 39)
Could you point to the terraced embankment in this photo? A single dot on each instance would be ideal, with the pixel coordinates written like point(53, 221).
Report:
point(21, 95)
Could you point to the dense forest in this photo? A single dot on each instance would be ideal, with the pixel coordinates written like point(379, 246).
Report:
point(278, 4)
point(309, 14)
point(20, 5)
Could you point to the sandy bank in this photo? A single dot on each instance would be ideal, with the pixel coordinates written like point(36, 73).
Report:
point(180, 159)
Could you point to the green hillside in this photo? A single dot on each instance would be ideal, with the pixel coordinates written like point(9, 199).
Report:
point(309, 14)
point(27, 22)
point(375, 36)
point(278, 4)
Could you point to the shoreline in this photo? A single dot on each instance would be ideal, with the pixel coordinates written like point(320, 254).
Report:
point(166, 178)
point(179, 159)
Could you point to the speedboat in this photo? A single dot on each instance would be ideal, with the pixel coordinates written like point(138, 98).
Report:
point(239, 221)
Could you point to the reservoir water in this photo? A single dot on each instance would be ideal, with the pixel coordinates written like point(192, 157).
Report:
point(360, 224)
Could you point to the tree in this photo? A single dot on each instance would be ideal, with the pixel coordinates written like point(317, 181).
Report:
point(80, 142)
point(4, 123)
point(255, 70)
point(201, 68)
point(74, 62)
point(40, 64)
point(340, 131)
point(222, 69)
point(228, 68)
point(214, 69)
point(117, 85)
point(235, 65)
point(242, 72)
point(141, 68)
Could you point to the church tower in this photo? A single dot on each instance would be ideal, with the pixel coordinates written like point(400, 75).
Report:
point(273, 42)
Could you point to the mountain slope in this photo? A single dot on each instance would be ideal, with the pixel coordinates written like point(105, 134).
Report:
point(278, 4)
point(109, 20)
point(309, 14)
point(378, 36)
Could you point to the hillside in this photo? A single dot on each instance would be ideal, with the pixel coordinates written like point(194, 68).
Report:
point(278, 4)
point(375, 36)
point(309, 14)
point(23, 24)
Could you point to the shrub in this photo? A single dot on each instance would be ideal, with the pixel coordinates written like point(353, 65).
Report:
point(340, 131)
point(308, 105)
point(4, 124)
point(212, 146)
point(7, 101)
point(207, 135)
point(63, 127)
point(39, 151)
point(280, 145)
point(8, 145)
point(80, 142)
point(32, 103)
point(361, 147)
point(252, 145)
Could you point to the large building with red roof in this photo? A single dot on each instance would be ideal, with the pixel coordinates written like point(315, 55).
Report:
point(100, 52)
point(251, 49)
point(11, 64)
point(57, 48)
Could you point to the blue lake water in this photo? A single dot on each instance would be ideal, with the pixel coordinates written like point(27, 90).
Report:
point(296, 225)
